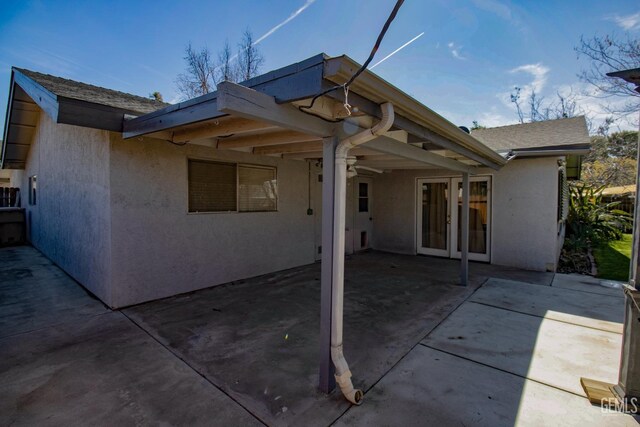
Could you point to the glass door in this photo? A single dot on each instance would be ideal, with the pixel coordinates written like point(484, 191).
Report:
point(434, 219)
point(479, 217)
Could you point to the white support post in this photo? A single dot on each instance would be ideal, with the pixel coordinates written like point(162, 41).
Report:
point(327, 380)
point(464, 231)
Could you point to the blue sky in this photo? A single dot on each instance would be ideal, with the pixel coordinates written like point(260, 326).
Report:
point(470, 57)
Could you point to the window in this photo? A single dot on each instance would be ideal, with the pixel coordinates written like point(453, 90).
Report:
point(33, 184)
point(257, 189)
point(229, 187)
point(563, 195)
point(363, 197)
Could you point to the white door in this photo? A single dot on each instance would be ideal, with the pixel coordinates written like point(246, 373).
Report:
point(433, 216)
point(363, 213)
point(438, 225)
point(479, 217)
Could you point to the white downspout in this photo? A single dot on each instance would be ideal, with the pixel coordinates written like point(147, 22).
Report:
point(343, 374)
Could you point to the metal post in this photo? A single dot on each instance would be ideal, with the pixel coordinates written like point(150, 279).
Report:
point(327, 380)
point(464, 231)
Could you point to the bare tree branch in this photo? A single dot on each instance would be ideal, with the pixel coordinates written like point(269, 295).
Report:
point(198, 78)
point(607, 54)
point(249, 58)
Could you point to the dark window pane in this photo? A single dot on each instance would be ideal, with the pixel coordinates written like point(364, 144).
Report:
point(363, 189)
point(212, 186)
point(363, 204)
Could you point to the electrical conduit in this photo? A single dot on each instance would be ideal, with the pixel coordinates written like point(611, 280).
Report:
point(343, 374)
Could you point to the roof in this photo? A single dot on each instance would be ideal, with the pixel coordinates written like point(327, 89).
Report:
point(95, 94)
point(548, 134)
point(264, 107)
point(300, 82)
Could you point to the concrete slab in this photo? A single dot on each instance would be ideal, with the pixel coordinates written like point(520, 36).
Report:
point(580, 282)
point(35, 294)
point(580, 308)
point(259, 340)
point(429, 387)
point(544, 350)
point(104, 371)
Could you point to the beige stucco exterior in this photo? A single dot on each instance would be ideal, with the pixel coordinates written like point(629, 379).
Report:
point(524, 212)
point(114, 215)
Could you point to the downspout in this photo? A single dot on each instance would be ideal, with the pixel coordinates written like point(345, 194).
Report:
point(343, 374)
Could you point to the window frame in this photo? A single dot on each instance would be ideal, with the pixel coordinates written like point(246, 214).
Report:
point(237, 184)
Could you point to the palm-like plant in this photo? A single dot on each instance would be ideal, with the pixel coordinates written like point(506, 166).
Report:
point(590, 221)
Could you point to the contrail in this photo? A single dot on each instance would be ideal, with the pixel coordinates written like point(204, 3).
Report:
point(286, 21)
point(276, 28)
point(397, 50)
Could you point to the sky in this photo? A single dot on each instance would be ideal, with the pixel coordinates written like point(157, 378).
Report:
point(460, 58)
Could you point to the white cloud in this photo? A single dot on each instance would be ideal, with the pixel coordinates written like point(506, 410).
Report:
point(495, 7)
point(538, 72)
point(455, 51)
point(628, 22)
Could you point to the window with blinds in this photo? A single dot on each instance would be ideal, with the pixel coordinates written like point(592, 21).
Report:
point(257, 189)
point(212, 186)
point(229, 187)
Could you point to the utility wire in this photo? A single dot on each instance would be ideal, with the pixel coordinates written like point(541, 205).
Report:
point(364, 66)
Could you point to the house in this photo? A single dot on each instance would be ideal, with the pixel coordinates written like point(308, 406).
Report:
point(140, 200)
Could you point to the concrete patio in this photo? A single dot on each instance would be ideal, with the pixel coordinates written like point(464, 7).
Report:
point(509, 349)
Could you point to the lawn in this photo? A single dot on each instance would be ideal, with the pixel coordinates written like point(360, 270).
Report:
point(612, 259)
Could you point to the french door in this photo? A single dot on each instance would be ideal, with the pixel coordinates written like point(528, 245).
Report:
point(439, 207)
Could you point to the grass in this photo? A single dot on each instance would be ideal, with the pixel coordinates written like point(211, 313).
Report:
point(612, 259)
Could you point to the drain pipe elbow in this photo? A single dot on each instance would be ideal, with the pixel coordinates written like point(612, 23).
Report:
point(343, 377)
point(381, 127)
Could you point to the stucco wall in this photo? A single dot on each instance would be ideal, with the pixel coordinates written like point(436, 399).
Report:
point(70, 222)
point(524, 212)
point(159, 249)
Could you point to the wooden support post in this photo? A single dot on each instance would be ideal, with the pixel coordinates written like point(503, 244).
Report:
point(327, 380)
point(464, 231)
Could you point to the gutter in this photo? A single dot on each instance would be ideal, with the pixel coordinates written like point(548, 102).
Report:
point(370, 86)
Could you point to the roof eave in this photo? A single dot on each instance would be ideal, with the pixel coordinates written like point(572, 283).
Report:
point(369, 85)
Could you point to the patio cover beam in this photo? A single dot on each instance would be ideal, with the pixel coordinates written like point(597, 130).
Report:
point(407, 151)
point(251, 104)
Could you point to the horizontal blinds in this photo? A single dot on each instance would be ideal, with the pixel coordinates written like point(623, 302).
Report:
point(212, 186)
point(257, 189)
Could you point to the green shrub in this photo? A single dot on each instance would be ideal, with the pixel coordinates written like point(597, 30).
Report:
point(590, 221)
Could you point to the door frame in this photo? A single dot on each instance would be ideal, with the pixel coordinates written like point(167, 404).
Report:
point(452, 215)
point(356, 234)
point(473, 256)
point(419, 248)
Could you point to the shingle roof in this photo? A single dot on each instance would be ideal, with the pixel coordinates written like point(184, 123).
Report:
point(549, 133)
point(95, 94)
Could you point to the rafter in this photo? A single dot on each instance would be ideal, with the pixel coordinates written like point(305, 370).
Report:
point(263, 140)
point(221, 127)
point(299, 147)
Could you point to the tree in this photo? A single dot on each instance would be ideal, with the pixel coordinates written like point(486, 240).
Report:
point(475, 125)
point(225, 71)
point(156, 96)
point(539, 109)
point(249, 57)
point(612, 160)
point(198, 78)
point(606, 54)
